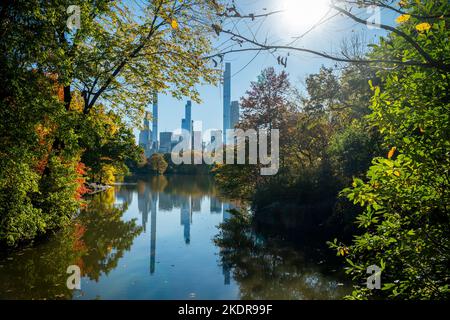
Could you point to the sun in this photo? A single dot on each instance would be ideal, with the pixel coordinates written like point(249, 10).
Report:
point(298, 15)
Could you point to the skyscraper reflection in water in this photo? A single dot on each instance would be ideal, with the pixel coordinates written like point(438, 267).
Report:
point(144, 202)
point(196, 204)
point(153, 233)
point(186, 218)
point(215, 205)
point(147, 201)
point(150, 201)
point(119, 260)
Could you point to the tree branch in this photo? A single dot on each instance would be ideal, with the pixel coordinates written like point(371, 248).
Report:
point(410, 40)
point(261, 46)
point(119, 68)
point(430, 62)
point(389, 7)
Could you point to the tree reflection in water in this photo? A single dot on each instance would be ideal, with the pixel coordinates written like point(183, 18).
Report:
point(95, 242)
point(166, 262)
point(266, 268)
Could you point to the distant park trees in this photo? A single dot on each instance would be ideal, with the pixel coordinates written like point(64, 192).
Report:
point(157, 163)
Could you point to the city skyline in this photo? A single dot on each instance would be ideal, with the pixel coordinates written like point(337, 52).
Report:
point(153, 141)
point(246, 66)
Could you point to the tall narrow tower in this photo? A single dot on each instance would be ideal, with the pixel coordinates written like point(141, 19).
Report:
point(188, 116)
point(155, 121)
point(226, 99)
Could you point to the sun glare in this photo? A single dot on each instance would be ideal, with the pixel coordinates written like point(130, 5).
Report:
point(298, 15)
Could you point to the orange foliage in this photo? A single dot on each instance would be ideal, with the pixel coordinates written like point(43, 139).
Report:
point(391, 152)
point(44, 131)
point(41, 164)
point(80, 263)
point(61, 93)
point(82, 189)
point(81, 168)
point(58, 89)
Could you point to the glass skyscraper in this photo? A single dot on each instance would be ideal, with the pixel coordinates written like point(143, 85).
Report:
point(155, 122)
point(226, 99)
point(186, 122)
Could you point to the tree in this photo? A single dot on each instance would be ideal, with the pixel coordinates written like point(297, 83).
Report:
point(107, 143)
point(95, 241)
point(405, 195)
point(39, 190)
point(268, 104)
point(282, 272)
point(157, 163)
point(63, 93)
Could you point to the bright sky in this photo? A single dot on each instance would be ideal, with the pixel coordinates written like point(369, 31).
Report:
point(282, 28)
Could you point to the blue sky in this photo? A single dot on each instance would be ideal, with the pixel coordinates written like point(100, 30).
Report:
point(280, 28)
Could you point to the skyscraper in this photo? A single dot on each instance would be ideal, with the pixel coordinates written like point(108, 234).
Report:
point(234, 114)
point(186, 121)
point(226, 98)
point(155, 122)
point(165, 142)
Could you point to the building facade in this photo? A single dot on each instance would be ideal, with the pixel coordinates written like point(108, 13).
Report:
point(155, 122)
point(165, 142)
point(234, 114)
point(186, 122)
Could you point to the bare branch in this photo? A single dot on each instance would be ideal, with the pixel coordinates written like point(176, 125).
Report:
point(240, 39)
point(265, 47)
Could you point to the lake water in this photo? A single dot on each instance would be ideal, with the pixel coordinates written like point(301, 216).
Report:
point(152, 238)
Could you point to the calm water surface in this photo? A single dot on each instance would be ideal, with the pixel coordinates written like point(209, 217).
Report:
point(152, 238)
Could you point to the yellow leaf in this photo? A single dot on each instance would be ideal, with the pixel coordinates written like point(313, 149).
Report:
point(174, 24)
point(396, 173)
point(403, 18)
point(424, 26)
point(391, 152)
point(343, 251)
